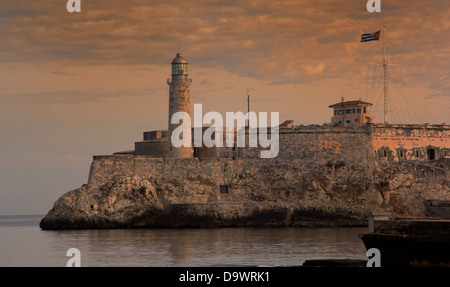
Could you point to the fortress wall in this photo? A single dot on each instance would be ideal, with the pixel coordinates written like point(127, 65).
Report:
point(249, 180)
point(321, 144)
point(153, 148)
point(322, 176)
point(105, 167)
point(303, 148)
point(155, 135)
point(205, 152)
point(185, 180)
point(410, 142)
point(303, 151)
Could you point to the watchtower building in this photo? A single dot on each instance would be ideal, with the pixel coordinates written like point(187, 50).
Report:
point(351, 112)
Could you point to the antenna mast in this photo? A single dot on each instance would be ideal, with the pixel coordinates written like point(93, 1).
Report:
point(248, 105)
point(385, 69)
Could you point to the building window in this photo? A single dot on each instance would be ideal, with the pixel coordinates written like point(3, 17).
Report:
point(335, 112)
point(445, 152)
point(417, 153)
point(359, 111)
point(224, 188)
point(347, 122)
point(353, 111)
point(401, 153)
point(348, 111)
point(431, 154)
point(384, 153)
point(364, 110)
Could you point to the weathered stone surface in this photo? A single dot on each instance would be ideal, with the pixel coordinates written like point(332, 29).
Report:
point(126, 191)
point(322, 176)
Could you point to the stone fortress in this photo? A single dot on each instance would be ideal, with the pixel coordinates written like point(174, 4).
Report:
point(324, 175)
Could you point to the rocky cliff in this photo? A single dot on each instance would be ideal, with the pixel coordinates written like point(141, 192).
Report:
point(126, 191)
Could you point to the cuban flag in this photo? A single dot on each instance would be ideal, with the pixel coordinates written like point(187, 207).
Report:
point(371, 36)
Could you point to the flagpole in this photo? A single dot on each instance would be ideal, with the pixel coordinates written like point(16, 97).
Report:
point(385, 75)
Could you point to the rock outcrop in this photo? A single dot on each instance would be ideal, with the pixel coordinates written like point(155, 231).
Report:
point(126, 191)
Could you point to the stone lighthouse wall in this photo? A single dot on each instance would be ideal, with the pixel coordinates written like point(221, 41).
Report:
point(179, 101)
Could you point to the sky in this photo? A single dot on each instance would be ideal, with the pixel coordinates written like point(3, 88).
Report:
point(74, 85)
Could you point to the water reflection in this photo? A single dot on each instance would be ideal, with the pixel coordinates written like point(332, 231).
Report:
point(23, 243)
point(211, 247)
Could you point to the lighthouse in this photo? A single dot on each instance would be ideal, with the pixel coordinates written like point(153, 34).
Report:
point(179, 101)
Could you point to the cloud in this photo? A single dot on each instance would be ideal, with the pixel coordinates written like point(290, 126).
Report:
point(62, 73)
point(137, 30)
point(279, 42)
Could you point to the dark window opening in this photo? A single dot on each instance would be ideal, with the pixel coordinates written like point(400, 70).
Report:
point(195, 151)
point(384, 153)
point(364, 110)
point(224, 188)
point(417, 153)
point(431, 154)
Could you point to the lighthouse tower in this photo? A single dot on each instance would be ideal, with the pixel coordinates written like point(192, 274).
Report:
point(179, 101)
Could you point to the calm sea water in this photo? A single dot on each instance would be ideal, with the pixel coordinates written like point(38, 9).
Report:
point(23, 243)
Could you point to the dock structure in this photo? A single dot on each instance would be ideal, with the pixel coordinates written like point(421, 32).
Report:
point(409, 242)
